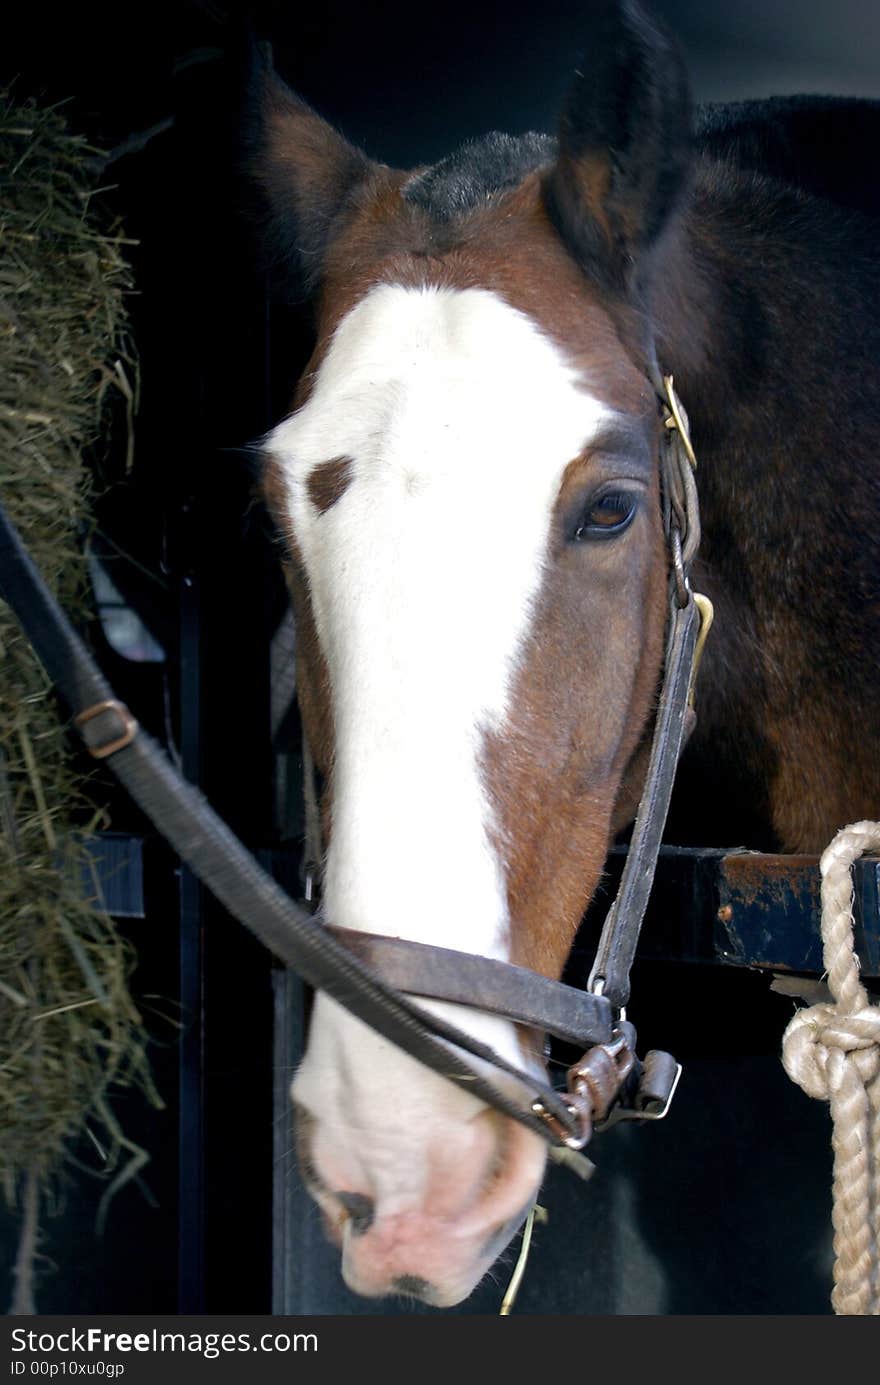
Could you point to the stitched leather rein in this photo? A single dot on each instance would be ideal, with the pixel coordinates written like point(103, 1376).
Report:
point(367, 974)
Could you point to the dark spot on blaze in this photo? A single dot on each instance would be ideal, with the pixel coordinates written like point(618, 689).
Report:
point(328, 481)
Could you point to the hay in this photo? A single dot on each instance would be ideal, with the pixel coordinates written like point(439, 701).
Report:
point(70, 1033)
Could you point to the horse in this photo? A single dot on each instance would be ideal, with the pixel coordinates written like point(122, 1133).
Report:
point(466, 488)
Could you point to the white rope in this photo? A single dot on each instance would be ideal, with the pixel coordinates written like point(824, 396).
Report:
point(833, 1052)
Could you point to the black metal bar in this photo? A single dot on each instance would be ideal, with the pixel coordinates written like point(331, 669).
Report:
point(737, 908)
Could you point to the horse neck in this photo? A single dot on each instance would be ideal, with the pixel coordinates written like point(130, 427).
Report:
point(760, 305)
point(753, 295)
point(699, 339)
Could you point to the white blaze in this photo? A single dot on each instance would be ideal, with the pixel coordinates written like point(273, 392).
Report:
point(459, 417)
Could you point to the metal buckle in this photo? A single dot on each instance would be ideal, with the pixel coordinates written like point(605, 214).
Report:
point(634, 1113)
point(129, 724)
point(649, 1115)
point(596, 1080)
point(560, 1132)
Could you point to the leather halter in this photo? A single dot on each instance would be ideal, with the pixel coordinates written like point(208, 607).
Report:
point(690, 616)
point(609, 1073)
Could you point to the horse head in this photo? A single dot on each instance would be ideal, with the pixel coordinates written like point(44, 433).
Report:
point(467, 487)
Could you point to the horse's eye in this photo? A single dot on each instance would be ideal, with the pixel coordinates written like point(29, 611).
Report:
point(607, 516)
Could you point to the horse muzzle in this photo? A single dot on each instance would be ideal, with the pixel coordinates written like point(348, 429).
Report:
point(424, 1216)
point(410, 1255)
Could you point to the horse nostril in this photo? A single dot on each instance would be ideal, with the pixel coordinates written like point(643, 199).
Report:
point(412, 1285)
point(360, 1209)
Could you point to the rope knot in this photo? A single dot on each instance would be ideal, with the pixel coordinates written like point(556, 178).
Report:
point(820, 1040)
point(833, 1052)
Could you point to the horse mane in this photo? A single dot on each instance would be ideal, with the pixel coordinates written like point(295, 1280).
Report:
point(822, 145)
point(819, 144)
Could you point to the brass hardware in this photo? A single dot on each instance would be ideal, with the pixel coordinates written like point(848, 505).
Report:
point(130, 727)
point(679, 420)
point(707, 615)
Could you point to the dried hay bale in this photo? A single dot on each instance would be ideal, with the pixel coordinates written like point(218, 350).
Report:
point(70, 1033)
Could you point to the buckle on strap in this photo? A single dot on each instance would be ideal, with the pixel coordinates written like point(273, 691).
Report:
point(650, 1098)
point(594, 1085)
point(596, 1080)
point(572, 1137)
point(609, 1084)
point(105, 737)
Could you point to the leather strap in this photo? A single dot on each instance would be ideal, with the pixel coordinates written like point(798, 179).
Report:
point(439, 973)
point(620, 931)
point(689, 621)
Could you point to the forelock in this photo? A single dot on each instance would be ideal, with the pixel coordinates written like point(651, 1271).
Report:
point(476, 172)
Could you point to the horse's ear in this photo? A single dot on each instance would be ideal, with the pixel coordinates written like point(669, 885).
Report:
point(624, 144)
point(304, 174)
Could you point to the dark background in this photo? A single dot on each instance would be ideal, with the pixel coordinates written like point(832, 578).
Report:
point(407, 81)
